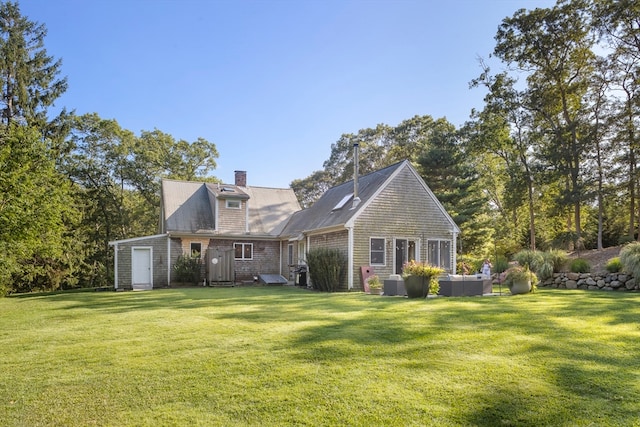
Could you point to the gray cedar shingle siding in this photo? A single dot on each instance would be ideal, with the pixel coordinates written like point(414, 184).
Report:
point(265, 256)
point(158, 244)
point(395, 203)
point(232, 220)
point(399, 211)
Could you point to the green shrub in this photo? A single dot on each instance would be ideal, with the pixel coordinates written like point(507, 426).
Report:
point(580, 265)
point(327, 268)
point(187, 269)
point(623, 240)
point(614, 265)
point(630, 259)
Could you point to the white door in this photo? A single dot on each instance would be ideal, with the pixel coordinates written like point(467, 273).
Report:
point(141, 277)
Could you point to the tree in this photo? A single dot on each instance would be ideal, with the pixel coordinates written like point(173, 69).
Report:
point(28, 76)
point(94, 165)
point(618, 23)
point(36, 215)
point(379, 147)
point(374, 144)
point(311, 188)
point(452, 176)
point(155, 155)
point(505, 131)
point(554, 47)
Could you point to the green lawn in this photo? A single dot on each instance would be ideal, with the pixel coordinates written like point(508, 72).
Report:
point(285, 356)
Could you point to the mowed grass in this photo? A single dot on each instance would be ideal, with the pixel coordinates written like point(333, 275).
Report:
point(285, 356)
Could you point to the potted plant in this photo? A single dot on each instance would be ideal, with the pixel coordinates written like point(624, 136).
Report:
point(520, 280)
point(420, 279)
point(374, 285)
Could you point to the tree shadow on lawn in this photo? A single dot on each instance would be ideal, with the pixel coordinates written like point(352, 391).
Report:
point(181, 298)
point(546, 329)
point(416, 334)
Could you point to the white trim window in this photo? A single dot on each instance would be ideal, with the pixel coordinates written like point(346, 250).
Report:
point(439, 253)
point(233, 204)
point(290, 254)
point(377, 255)
point(196, 249)
point(243, 251)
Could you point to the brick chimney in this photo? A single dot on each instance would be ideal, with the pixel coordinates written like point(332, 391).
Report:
point(241, 178)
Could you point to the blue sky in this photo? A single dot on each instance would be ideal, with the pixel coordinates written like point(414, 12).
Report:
point(273, 83)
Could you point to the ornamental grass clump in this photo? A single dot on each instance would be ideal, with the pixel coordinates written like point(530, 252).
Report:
point(630, 259)
point(427, 273)
point(530, 258)
point(557, 258)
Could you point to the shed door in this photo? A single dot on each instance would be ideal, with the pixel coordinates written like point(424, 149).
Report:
point(141, 266)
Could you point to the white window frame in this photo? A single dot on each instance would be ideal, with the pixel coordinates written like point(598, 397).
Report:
point(438, 254)
point(243, 245)
point(290, 254)
point(191, 251)
point(231, 204)
point(384, 251)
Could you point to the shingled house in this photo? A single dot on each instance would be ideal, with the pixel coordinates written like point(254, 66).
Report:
point(244, 233)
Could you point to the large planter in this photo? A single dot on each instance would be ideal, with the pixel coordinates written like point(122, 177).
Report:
point(417, 286)
point(521, 287)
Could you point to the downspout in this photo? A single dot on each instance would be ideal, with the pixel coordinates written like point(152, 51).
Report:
point(168, 261)
point(246, 216)
point(350, 257)
point(280, 258)
point(115, 270)
point(455, 251)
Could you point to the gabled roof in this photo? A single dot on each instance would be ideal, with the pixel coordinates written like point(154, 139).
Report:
point(189, 207)
point(186, 206)
point(336, 208)
point(270, 208)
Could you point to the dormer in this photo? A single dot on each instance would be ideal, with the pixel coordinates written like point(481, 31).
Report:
point(230, 210)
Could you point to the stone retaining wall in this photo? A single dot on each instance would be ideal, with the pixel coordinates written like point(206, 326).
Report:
point(592, 281)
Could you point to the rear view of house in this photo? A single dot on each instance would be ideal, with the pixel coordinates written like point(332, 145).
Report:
point(233, 228)
point(243, 233)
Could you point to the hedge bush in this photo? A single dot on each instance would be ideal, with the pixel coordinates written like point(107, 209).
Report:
point(327, 268)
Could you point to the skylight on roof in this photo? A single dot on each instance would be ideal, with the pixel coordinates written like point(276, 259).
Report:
point(229, 189)
point(342, 202)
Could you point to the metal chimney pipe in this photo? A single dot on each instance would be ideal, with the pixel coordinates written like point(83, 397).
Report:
point(356, 165)
point(356, 173)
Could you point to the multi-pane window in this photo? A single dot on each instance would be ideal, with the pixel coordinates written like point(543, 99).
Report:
point(243, 250)
point(376, 253)
point(440, 253)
